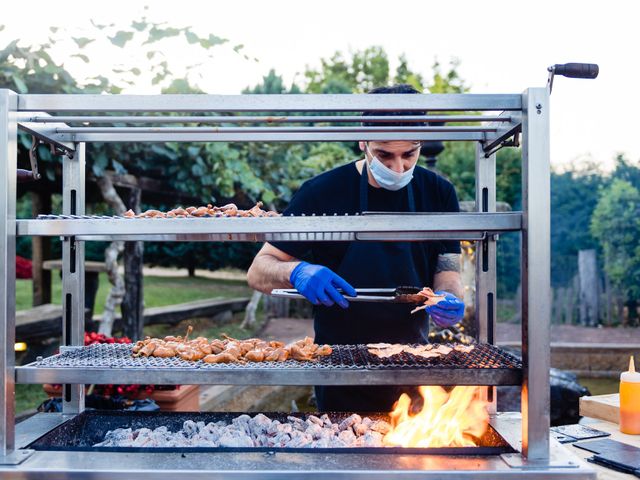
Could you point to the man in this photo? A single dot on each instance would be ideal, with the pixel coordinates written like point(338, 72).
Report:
point(386, 179)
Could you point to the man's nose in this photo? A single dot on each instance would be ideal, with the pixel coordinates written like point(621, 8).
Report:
point(397, 165)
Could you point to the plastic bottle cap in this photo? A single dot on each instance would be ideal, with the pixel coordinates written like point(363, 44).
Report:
point(631, 375)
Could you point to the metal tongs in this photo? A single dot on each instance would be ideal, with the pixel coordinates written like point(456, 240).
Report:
point(377, 295)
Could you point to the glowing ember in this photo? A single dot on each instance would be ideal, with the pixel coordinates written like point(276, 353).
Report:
point(448, 419)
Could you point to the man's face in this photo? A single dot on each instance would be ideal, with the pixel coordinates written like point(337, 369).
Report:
point(397, 155)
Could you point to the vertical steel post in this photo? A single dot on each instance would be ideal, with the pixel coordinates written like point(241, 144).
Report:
point(486, 258)
point(73, 203)
point(536, 274)
point(8, 165)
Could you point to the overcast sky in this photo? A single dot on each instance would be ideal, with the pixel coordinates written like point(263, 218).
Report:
point(503, 47)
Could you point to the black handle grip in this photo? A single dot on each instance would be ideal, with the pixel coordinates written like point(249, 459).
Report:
point(577, 70)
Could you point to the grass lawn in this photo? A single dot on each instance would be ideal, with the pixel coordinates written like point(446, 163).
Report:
point(600, 386)
point(158, 292)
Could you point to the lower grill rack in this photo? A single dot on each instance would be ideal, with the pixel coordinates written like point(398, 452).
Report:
point(347, 365)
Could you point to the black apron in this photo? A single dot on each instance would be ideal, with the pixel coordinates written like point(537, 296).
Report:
point(377, 265)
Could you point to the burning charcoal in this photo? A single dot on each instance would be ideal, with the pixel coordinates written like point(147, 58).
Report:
point(314, 430)
point(314, 419)
point(260, 424)
point(296, 423)
point(380, 426)
point(116, 437)
point(370, 439)
point(326, 420)
point(347, 437)
point(284, 428)
point(235, 439)
point(349, 421)
point(300, 439)
point(280, 440)
point(143, 438)
point(242, 423)
point(189, 428)
point(360, 428)
point(323, 442)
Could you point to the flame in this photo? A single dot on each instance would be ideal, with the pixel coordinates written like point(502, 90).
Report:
point(448, 419)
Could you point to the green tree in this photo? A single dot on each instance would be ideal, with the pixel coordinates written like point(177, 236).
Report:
point(574, 195)
point(616, 225)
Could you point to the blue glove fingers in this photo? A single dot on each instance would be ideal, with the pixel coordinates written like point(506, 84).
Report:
point(446, 316)
point(340, 282)
point(449, 305)
point(448, 313)
point(324, 298)
point(336, 296)
point(311, 296)
point(443, 324)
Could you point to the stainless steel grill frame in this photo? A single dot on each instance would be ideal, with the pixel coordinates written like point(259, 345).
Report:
point(526, 113)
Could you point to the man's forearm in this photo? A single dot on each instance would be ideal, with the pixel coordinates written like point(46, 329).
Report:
point(449, 282)
point(267, 272)
point(447, 276)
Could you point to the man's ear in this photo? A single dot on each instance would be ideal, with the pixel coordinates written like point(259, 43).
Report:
point(361, 145)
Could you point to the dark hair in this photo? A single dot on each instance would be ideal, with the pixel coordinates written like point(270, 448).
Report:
point(399, 88)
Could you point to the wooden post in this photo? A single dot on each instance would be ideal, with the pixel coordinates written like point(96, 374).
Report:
point(41, 251)
point(589, 287)
point(133, 303)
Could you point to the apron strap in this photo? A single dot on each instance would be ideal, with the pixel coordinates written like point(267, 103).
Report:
point(364, 190)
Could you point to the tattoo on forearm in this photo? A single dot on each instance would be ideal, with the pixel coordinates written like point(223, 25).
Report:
point(448, 262)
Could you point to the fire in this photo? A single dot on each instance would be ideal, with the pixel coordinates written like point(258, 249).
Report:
point(448, 419)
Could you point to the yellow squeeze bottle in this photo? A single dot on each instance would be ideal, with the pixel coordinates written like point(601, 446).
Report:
point(630, 400)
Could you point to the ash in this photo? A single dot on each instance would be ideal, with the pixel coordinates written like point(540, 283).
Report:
point(259, 431)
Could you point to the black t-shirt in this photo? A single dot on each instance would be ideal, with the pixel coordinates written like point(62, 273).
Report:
point(338, 191)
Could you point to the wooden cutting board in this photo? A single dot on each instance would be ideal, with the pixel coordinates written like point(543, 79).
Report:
point(604, 407)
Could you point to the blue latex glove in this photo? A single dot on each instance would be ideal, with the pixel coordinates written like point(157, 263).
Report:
point(319, 285)
point(447, 312)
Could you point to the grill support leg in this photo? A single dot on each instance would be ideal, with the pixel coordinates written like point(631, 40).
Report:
point(73, 203)
point(486, 260)
point(8, 165)
point(536, 275)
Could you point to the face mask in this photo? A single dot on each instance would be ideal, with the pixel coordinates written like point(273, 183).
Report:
point(387, 178)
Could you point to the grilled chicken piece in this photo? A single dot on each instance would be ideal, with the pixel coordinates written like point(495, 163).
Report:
point(148, 349)
point(254, 356)
point(298, 353)
point(223, 357)
point(164, 351)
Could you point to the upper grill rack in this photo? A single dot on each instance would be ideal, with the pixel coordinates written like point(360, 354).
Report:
point(484, 365)
point(374, 226)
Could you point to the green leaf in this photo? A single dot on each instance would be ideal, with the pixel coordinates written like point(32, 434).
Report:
point(191, 37)
point(212, 41)
point(156, 34)
point(20, 85)
point(99, 27)
point(136, 71)
point(84, 58)
point(237, 48)
point(82, 41)
point(139, 26)
point(151, 54)
point(121, 38)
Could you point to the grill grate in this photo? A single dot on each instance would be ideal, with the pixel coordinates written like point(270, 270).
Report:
point(352, 357)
